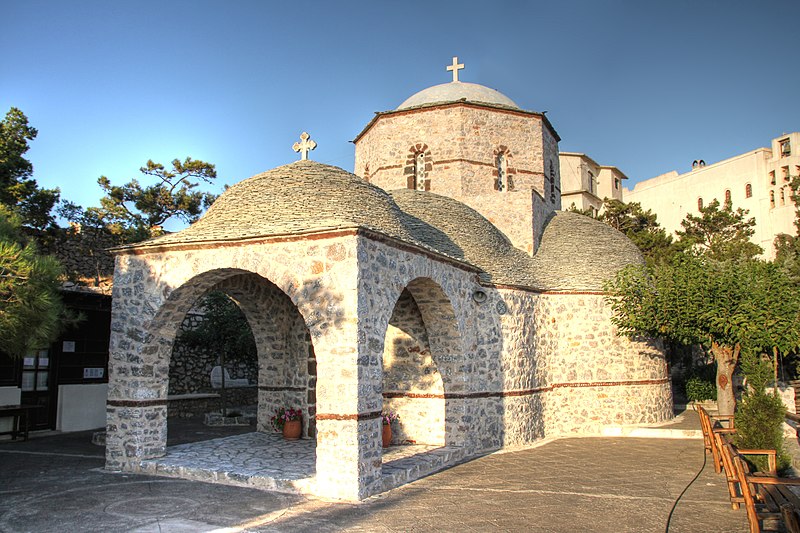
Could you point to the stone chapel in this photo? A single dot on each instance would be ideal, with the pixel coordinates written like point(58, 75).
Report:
point(440, 281)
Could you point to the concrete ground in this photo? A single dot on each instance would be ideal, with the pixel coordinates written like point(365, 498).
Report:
point(614, 484)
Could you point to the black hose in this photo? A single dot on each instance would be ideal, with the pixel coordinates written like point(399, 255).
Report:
point(674, 505)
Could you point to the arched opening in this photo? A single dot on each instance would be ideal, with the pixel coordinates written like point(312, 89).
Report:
point(422, 359)
point(213, 372)
point(418, 167)
point(282, 376)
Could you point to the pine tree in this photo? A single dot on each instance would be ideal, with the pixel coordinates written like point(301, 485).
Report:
point(30, 303)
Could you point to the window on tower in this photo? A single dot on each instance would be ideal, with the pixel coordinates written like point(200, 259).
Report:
point(772, 199)
point(748, 191)
point(699, 204)
point(419, 171)
point(502, 173)
point(786, 148)
point(552, 183)
point(727, 197)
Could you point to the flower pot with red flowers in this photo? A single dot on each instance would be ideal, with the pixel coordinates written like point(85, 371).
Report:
point(387, 418)
point(288, 421)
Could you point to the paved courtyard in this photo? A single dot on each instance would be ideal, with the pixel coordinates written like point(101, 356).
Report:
point(56, 483)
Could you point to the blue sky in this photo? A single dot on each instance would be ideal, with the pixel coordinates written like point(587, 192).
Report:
point(646, 86)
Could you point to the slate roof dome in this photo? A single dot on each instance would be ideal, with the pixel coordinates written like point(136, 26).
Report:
point(301, 197)
point(458, 90)
point(580, 253)
point(456, 230)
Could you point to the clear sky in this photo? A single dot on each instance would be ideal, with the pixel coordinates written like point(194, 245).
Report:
point(646, 86)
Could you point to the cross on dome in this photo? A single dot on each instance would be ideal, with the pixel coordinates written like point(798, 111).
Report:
point(455, 67)
point(304, 146)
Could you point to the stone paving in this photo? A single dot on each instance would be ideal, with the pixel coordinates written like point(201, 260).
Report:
point(268, 461)
point(56, 484)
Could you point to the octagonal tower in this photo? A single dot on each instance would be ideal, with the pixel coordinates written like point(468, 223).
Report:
point(473, 144)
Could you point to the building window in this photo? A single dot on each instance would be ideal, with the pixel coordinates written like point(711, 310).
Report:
point(699, 204)
point(786, 148)
point(418, 168)
point(552, 184)
point(772, 178)
point(748, 191)
point(501, 184)
point(785, 173)
point(727, 197)
point(591, 182)
point(616, 183)
point(783, 196)
point(772, 199)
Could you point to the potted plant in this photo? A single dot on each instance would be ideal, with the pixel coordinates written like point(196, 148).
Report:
point(288, 421)
point(387, 417)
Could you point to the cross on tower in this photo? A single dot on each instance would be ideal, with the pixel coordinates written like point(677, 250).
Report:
point(304, 146)
point(455, 67)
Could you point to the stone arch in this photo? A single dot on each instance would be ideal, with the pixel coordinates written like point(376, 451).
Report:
point(418, 167)
point(279, 329)
point(503, 169)
point(422, 365)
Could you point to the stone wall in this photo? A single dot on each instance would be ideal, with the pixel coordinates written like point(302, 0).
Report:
point(597, 377)
point(190, 367)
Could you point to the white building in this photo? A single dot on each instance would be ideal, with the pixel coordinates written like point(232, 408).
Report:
point(758, 181)
point(585, 183)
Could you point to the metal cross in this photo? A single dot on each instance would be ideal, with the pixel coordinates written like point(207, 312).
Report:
point(304, 146)
point(455, 67)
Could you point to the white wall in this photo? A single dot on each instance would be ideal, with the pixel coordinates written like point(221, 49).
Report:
point(81, 407)
point(8, 396)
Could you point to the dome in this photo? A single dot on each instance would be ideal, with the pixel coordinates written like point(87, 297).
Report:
point(580, 253)
point(457, 90)
point(456, 230)
point(296, 198)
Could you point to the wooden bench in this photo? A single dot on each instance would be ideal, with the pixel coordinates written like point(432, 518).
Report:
point(20, 423)
point(765, 496)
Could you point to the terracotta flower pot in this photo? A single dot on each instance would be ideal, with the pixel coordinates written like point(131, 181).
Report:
point(386, 435)
point(292, 429)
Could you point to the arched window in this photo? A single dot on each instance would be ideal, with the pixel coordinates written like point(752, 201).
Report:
point(727, 197)
point(419, 171)
point(552, 183)
point(699, 204)
point(502, 173)
point(772, 198)
point(418, 168)
point(783, 196)
point(748, 191)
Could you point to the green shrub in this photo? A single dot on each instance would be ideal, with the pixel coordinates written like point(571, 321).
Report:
point(699, 389)
point(759, 424)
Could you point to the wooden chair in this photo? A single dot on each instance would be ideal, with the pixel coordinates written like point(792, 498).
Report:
point(709, 425)
point(726, 449)
point(766, 498)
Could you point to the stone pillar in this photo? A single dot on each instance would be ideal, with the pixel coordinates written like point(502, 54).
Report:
point(138, 371)
point(349, 450)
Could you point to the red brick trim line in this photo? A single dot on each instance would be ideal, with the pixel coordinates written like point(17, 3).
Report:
point(387, 167)
point(357, 416)
point(160, 402)
point(527, 392)
point(543, 292)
